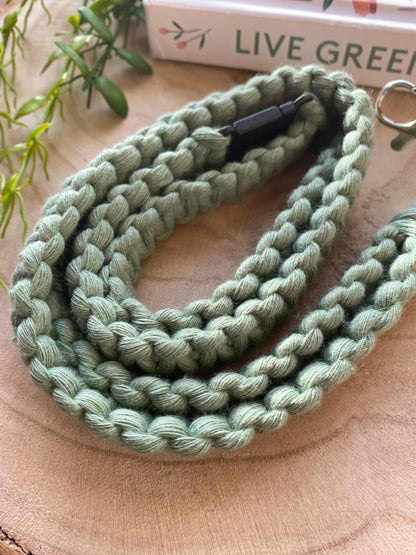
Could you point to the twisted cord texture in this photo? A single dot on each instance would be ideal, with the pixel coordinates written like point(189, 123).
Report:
point(135, 376)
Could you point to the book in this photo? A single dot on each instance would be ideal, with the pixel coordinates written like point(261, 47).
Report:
point(373, 40)
point(388, 10)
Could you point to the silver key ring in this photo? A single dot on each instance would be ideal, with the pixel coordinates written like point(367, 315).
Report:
point(407, 131)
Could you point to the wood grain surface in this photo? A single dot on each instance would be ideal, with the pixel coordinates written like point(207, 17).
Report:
point(339, 479)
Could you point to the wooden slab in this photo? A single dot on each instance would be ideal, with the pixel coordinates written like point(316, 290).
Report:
point(339, 479)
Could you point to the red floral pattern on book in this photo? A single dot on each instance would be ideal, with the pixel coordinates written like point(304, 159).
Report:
point(188, 35)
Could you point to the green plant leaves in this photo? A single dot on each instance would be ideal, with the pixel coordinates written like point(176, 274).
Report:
point(9, 118)
point(77, 43)
point(95, 34)
point(9, 22)
point(135, 60)
point(113, 95)
point(35, 133)
point(54, 88)
point(74, 20)
point(31, 106)
point(140, 13)
point(54, 56)
point(96, 23)
point(76, 58)
point(100, 5)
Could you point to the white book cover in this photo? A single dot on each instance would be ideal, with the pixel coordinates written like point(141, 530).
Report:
point(374, 40)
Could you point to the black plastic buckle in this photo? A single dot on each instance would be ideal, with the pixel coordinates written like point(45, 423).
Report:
point(259, 128)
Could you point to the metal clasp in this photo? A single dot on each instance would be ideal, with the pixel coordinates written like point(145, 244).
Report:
point(407, 131)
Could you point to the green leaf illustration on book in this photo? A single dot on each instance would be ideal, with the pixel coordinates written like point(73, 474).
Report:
point(179, 31)
point(326, 4)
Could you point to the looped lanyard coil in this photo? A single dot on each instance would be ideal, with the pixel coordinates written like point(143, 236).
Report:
point(137, 377)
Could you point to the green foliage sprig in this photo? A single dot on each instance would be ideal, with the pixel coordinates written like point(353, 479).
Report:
point(97, 32)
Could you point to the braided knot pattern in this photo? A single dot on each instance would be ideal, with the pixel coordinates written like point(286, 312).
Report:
point(136, 377)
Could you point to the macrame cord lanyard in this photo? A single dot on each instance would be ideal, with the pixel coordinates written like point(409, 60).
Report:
point(140, 378)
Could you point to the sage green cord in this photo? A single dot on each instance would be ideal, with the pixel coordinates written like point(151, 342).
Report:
point(106, 359)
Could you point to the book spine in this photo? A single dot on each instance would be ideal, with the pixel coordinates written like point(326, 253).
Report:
point(372, 52)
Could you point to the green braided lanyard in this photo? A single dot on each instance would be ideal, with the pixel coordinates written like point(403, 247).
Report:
point(137, 377)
